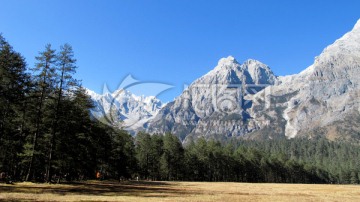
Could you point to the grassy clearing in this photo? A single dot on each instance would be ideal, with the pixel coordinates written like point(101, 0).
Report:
point(177, 191)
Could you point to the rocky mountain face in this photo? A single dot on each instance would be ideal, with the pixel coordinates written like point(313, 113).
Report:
point(214, 105)
point(247, 100)
point(124, 109)
point(322, 100)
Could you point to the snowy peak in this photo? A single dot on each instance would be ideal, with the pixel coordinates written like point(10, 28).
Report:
point(229, 71)
point(92, 94)
point(348, 43)
point(124, 109)
point(251, 65)
point(215, 104)
point(225, 72)
point(259, 72)
point(357, 25)
point(321, 100)
point(227, 62)
point(226, 65)
point(336, 58)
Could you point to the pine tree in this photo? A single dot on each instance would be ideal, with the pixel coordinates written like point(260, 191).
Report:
point(157, 147)
point(66, 68)
point(44, 76)
point(143, 153)
point(123, 158)
point(75, 153)
point(172, 158)
point(14, 84)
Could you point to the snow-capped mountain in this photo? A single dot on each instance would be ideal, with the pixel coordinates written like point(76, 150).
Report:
point(124, 109)
point(247, 100)
point(324, 99)
point(214, 104)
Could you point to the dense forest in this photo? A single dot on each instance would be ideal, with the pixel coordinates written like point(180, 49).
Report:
point(48, 135)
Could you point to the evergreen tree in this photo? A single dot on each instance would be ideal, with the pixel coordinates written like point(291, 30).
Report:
point(14, 85)
point(143, 153)
point(172, 158)
point(66, 83)
point(157, 149)
point(76, 141)
point(123, 155)
point(44, 78)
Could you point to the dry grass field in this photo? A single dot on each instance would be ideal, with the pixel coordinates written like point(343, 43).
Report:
point(177, 191)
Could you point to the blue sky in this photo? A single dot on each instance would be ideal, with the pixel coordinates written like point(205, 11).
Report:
point(175, 42)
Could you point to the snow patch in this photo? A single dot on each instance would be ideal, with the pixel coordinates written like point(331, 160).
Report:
point(357, 25)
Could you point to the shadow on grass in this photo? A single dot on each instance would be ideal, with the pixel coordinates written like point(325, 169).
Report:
point(103, 188)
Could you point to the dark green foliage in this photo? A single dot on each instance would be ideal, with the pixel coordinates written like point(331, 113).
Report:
point(66, 84)
point(46, 132)
point(172, 157)
point(123, 162)
point(243, 163)
point(44, 78)
point(14, 85)
point(279, 160)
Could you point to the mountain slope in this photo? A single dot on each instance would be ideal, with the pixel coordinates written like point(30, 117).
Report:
point(321, 100)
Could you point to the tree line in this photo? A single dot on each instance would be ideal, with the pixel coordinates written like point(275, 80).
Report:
point(300, 160)
point(48, 135)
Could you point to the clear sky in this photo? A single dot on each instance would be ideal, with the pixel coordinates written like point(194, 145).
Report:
point(175, 41)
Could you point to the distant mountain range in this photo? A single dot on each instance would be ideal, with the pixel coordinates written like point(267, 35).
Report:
point(124, 109)
point(248, 101)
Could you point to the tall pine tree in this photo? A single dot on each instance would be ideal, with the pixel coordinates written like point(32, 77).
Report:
point(66, 67)
point(44, 77)
point(14, 84)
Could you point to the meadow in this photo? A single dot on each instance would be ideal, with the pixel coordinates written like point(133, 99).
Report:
point(177, 191)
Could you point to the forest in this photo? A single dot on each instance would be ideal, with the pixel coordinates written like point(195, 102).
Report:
point(48, 135)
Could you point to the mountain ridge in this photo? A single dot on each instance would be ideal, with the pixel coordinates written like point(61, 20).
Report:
point(249, 101)
point(326, 91)
point(123, 108)
point(216, 94)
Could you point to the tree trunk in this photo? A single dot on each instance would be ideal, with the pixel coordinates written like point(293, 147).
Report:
point(54, 128)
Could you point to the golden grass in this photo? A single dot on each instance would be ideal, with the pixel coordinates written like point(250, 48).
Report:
point(177, 191)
